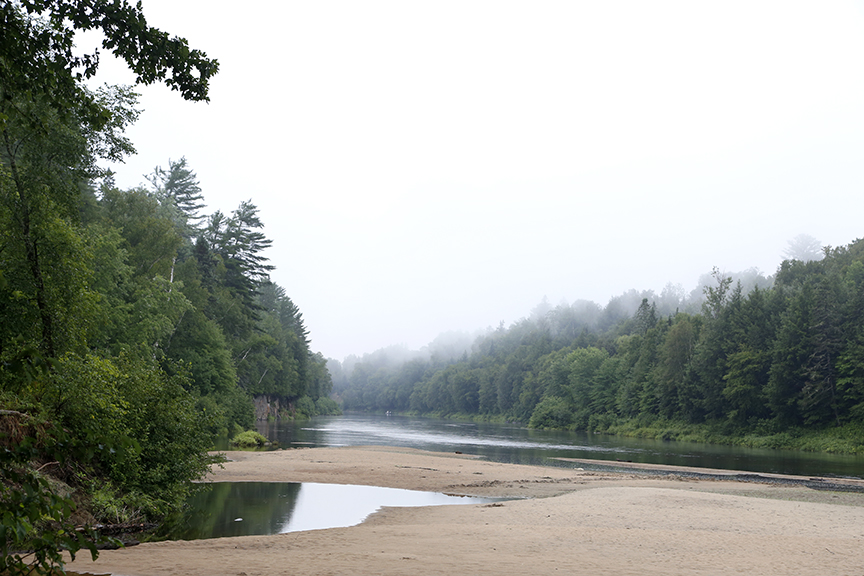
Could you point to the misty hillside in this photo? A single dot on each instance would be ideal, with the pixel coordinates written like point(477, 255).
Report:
point(743, 354)
point(451, 346)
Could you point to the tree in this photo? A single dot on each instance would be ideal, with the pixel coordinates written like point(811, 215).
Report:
point(850, 364)
point(37, 55)
point(54, 128)
point(803, 248)
point(238, 241)
point(152, 241)
point(819, 402)
point(715, 296)
point(40, 188)
point(243, 242)
point(675, 366)
point(180, 194)
point(645, 317)
point(582, 365)
point(790, 355)
point(53, 131)
point(551, 412)
point(746, 375)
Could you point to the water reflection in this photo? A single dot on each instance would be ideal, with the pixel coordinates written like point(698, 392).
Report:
point(234, 509)
point(515, 444)
point(260, 508)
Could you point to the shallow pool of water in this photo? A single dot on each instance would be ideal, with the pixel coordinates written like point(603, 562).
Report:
point(259, 508)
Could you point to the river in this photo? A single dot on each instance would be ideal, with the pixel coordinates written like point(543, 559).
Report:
point(240, 508)
point(515, 444)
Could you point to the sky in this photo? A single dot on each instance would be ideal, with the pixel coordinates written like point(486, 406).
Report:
point(424, 166)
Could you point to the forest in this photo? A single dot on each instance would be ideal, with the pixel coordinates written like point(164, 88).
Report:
point(761, 361)
point(135, 327)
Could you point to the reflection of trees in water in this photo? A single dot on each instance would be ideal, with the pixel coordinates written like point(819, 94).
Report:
point(212, 513)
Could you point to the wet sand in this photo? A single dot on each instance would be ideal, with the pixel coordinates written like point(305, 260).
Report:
point(565, 519)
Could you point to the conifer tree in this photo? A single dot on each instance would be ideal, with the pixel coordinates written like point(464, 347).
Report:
point(178, 190)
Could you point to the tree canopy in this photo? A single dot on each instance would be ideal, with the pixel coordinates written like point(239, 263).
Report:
point(132, 336)
point(769, 366)
point(37, 56)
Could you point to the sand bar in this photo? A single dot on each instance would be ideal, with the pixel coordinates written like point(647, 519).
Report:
point(566, 520)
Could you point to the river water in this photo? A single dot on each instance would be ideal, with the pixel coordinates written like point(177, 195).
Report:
point(514, 444)
point(244, 508)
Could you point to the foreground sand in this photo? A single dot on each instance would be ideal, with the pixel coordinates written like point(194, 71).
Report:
point(575, 522)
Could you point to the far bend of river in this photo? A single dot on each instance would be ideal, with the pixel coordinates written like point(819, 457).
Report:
point(514, 444)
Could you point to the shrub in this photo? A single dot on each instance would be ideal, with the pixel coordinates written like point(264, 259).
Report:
point(248, 439)
point(304, 407)
point(35, 518)
point(327, 406)
point(171, 433)
point(551, 412)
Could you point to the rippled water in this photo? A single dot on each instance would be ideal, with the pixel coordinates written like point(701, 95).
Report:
point(515, 444)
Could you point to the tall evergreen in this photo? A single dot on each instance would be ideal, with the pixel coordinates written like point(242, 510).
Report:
point(178, 190)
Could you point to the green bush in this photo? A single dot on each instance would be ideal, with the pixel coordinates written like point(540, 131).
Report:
point(111, 507)
point(35, 524)
point(304, 407)
point(172, 435)
point(551, 412)
point(84, 393)
point(248, 439)
point(327, 407)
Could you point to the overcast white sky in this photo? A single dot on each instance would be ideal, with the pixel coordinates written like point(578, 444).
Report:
point(444, 165)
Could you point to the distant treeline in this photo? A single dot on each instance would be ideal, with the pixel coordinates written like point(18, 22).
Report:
point(769, 360)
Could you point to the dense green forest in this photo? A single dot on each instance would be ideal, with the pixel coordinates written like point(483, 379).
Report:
point(135, 327)
point(755, 362)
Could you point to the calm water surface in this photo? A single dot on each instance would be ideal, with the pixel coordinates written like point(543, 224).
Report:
point(259, 508)
point(515, 444)
point(245, 508)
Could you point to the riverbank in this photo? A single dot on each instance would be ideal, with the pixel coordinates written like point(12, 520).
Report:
point(845, 439)
point(570, 520)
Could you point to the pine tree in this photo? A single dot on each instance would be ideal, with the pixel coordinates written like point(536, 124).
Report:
point(180, 194)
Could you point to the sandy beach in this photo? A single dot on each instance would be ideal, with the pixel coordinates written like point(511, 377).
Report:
point(565, 520)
